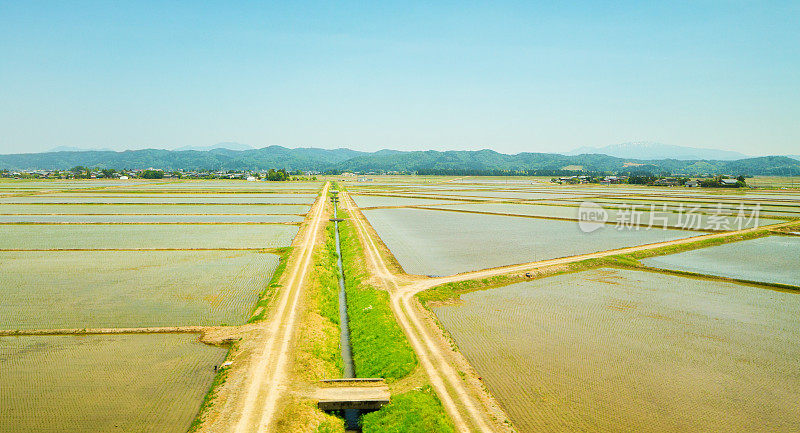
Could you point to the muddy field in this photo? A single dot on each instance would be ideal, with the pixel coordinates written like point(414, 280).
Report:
point(131, 383)
point(209, 272)
point(98, 289)
point(120, 236)
point(614, 350)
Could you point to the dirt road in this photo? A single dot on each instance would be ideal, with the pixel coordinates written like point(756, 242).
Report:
point(486, 273)
point(269, 371)
point(462, 404)
point(467, 403)
point(258, 375)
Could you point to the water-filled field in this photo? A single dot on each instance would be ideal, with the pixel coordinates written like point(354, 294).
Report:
point(99, 289)
point(616, 350)
point(372, 201)
point(120, 236)
point(656, 216)
point(124, 383)
point(790, 209)
point(151, 209)
point(57, 185)
point(513, 195)
point(122, 218)
point(234, 185)
point(772, 259)
point(428, 242)
point(165, 198)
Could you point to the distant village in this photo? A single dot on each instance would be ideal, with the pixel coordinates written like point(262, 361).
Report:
point(708, 182)
point(81, 172)
point(155, 173)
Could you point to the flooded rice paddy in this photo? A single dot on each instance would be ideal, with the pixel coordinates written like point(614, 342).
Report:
point(120, 383)
point(656, 216)
point(151, 218)
point(150, 209)
point(618, 350)
point(99, 289)
point(773, 259)
point(429, 242)
point(373, 201)
point(165, 199)
point(116, 236)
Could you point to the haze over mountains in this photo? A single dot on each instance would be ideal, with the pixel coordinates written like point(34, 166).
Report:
point(230, 145)
point(650, 150)
point(221, 157)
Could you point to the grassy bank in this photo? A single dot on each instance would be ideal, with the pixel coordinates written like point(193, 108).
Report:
point(380, 348)
point(261, 308)
point(417, 411)
point(318, 355)
point(211, 395)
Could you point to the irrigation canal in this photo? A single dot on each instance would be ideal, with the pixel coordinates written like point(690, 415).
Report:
point(350, 415)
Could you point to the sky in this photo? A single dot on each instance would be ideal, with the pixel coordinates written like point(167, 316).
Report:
point(523, 76)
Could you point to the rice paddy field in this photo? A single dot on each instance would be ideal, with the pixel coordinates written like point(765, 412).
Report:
point(610, 349)
point(99, 289)
point(153, 218)
point(152, 209)
point(121, 254)
point(619, 350)
point(122, 383)
point(165, 198)
point(646, 216)
point(145, 236)
point(772, 259)
point(430, 242)
point(377, 201)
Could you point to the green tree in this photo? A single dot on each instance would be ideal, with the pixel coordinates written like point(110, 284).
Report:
point(152, 174)
point(277, 175)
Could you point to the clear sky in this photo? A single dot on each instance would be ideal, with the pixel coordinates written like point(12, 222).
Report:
point(510, 76)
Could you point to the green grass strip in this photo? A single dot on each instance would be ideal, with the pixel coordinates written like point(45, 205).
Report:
point(417, 411)
point(380, 348)
point(261, 308)
point(208, 399)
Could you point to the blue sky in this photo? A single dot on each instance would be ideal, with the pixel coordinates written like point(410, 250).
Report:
point(510, 76)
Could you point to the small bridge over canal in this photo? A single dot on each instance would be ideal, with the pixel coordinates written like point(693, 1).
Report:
point(352, 393)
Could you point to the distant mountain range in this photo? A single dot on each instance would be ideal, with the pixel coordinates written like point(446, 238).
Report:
point(78, 149)
point(426, 162)
point(230, 145)
point(649, 150)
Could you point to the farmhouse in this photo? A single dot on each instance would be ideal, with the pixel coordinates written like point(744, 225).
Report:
point(669, 181)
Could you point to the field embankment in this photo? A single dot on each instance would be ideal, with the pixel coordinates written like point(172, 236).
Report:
point(317, 355)
point(380, 348)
